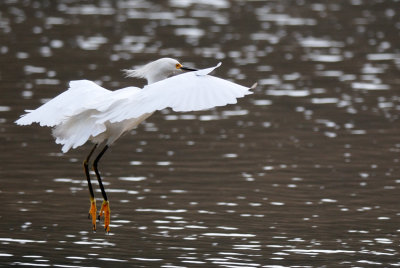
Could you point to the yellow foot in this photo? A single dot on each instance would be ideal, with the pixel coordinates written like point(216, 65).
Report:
point(93, 213)
point(105, 209)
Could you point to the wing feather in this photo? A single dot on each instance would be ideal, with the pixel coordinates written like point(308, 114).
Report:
point(81, 95)
point(82, 126)
point(192, 91)
point(87, 111)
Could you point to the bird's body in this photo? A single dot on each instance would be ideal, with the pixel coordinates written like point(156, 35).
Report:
point(89, 112)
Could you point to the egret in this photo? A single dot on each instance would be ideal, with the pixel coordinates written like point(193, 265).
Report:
point(89, 112)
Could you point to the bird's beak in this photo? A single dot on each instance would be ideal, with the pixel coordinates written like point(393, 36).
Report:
point(184, 68)
point(188, 69)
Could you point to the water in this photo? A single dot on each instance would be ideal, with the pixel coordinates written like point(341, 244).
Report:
point(303, 173)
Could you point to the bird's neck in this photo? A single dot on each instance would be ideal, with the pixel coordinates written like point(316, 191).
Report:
point(153, 78)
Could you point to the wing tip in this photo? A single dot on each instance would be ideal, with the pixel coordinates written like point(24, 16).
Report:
point(19, 123)
point(204, 72)
point(22, 121)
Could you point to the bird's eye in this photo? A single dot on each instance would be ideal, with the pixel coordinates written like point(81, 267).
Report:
point(178, 66)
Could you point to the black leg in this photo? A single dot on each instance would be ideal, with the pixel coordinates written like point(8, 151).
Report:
point(105, 207)
point(86, 168)
point(103, 192)
point(92, 210)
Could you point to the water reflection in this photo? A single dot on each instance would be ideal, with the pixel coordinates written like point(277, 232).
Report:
point(304, 172)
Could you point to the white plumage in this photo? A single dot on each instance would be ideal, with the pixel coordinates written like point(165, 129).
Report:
point(87, 111)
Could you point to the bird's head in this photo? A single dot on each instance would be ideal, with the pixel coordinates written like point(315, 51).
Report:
point(158, 70)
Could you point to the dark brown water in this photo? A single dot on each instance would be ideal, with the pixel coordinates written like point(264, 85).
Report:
point(303, 173)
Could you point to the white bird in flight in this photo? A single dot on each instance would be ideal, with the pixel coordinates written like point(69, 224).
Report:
point(89, 112)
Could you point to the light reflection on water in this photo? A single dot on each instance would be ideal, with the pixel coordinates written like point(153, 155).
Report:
point(303, 173)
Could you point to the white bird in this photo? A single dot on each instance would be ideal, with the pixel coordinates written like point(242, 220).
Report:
point(88, 112)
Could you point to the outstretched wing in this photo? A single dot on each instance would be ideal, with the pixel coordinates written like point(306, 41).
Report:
point(86, 110)
point(82, 125)
point(81, 95)
point(192, 91)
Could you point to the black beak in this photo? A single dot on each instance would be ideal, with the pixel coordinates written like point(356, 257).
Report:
point(188, 69)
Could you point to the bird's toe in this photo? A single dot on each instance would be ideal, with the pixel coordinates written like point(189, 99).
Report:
point(93, 213)
point(105, 211)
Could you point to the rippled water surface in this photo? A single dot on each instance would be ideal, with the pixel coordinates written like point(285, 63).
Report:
point(303, 173)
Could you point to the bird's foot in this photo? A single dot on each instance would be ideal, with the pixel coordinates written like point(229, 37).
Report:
point(93, 213)
point(105, 210)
